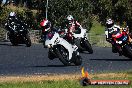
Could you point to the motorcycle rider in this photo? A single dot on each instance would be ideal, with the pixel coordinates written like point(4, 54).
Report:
point(111, 30)
point(72, 26)
point(11, 18)
point(47, 30)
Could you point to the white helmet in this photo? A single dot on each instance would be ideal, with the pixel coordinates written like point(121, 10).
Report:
point(12, 14)
point(109, 23)
point(70, 17)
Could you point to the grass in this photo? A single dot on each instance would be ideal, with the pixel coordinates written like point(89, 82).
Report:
point(56, 84)
point(64, 81)
point(97, 35)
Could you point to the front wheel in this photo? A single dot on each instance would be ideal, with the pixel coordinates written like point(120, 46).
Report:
point(114, 50)
point(128, 49)
point(63, 55)
point(51, 54)
point(13, 40)
point(27, 40)
point(88, 46)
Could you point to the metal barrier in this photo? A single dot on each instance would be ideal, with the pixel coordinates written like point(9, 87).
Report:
point(95, 40)
point(35, 36)
point(98, 40)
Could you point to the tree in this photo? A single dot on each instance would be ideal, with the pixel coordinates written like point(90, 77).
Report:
point(1, 2)
point(80, 9)
point(119, 10)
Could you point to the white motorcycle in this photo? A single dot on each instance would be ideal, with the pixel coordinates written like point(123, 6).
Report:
point(60, 48)
point(82, 42)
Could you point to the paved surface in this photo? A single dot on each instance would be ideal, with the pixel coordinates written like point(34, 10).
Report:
point(22, 60)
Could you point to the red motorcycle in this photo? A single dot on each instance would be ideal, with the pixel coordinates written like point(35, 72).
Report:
point(121, 42)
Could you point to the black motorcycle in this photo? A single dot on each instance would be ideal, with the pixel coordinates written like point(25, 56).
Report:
point(18, 34)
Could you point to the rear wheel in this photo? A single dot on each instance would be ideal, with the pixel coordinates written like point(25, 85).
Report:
point(78, 60)
point(78, 43)
point(63, 55)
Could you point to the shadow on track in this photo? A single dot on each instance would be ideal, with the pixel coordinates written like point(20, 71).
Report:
point(84, 52)
point(5, 44)
point(112, 59)
point(51, 66)
point(8, 44)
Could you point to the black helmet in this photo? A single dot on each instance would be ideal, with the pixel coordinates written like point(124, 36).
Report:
point(109, 23)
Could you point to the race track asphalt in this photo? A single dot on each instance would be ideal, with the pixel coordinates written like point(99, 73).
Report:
point(22, 60)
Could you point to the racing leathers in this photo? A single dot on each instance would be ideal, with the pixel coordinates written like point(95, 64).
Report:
point(114, 33)
point(109, 31)
point(9, 23)
point(72, 27)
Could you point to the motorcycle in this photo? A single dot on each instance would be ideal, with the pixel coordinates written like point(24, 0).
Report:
point(60, 48)
point(18, 34)
point(122, 43)
point(82, 42)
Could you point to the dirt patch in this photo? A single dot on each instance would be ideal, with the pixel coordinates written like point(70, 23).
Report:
point(56, 77)
point(31, 78)
point(111, 75)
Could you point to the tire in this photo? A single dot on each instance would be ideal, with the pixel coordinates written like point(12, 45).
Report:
point(61, 56)
point(78, 43)
point(27, 40)
point(13, 42)
point(128, 49)
point(51, 56)
point(88, 46)
point(114, 50)
point(78, 60)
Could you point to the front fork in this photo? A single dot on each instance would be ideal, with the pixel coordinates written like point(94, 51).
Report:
point(118, 48)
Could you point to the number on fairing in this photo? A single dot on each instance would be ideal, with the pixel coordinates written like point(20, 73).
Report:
point(56, 41)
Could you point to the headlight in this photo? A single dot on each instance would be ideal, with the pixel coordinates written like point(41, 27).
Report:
point(21, 30)
point(49, 46)
point(119, 42)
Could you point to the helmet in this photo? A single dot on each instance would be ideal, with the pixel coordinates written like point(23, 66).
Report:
point(45, 24)
point(109, 23)
point(12, 15)
point(70, 17)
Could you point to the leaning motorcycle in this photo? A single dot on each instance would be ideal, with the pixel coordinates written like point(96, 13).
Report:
point(82, 42)
point(122, 43)
point(60, 48)
point(18, 34)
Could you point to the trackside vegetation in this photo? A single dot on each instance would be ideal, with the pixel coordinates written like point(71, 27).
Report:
point(65, 81)
point(57, 84)
point(33, 11)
